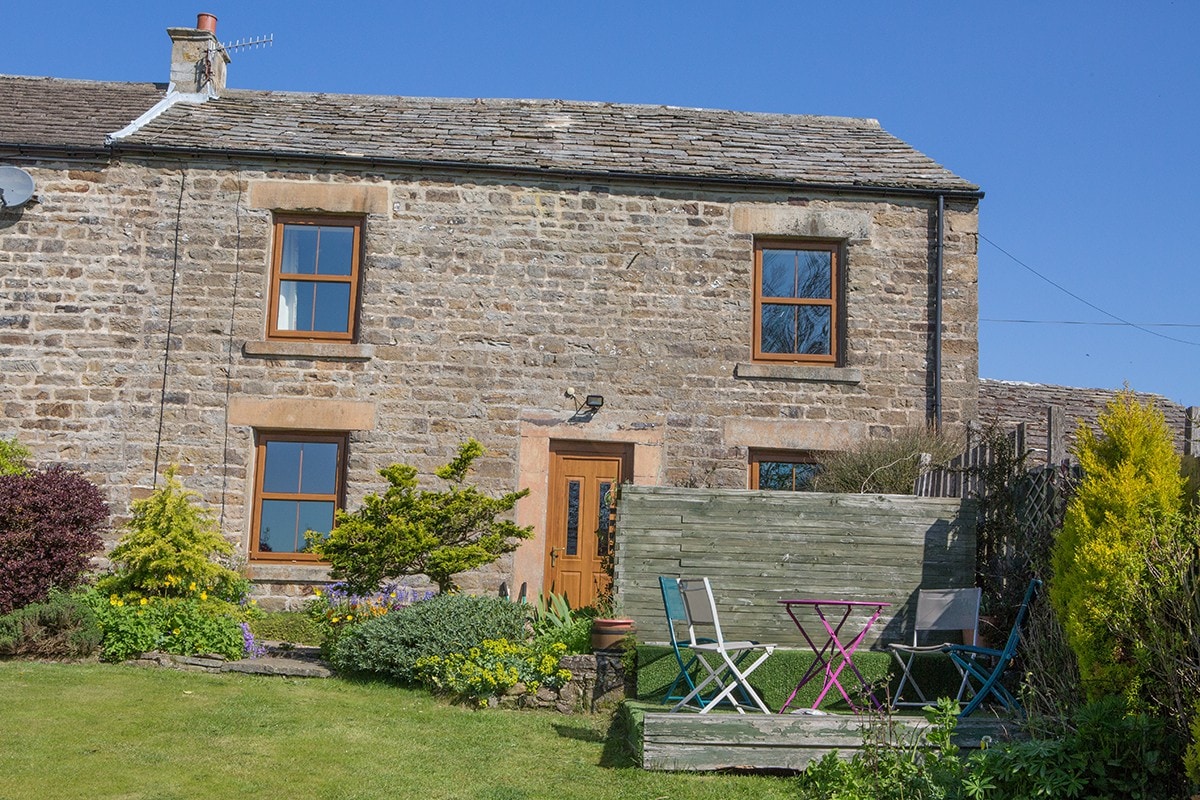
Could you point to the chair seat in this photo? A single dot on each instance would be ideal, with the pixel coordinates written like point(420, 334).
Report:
point(714, 647)
point(921, 648)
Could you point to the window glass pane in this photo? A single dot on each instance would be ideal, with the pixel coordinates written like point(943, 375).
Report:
point(797, 273)
point(332, 312)
point(312, 306)
point(299, 255)
point(778, 273)
point(813, 335)
point(282, 524)
point(336, 251)
point(814, 273)
point(787, 476)
point(281, 472)
point(778, 328)
point(318, 471)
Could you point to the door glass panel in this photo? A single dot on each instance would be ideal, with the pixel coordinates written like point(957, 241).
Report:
point(573, 518)
point(604, 518)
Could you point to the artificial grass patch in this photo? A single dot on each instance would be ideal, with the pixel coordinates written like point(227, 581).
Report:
point(778, 675)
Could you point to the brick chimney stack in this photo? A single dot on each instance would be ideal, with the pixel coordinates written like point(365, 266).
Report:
point(198, 61)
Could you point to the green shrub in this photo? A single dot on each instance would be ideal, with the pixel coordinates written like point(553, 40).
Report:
point(892, 765)
point(64, 626)
point(1131, 486)
point(1191, 758)
point(171, 548)
point(1104, 751)
point(180, 625)
point(1189, 468)
point(391, 644)
point(334, 611)
point(492, 668)
point(12, 457)
point(411, 532)
point(554, 621)
point(885, 466)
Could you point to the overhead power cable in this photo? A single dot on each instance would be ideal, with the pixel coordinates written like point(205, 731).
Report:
point(1097, 322)
point(1088, 303)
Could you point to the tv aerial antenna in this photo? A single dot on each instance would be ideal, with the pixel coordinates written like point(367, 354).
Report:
point(252, 43)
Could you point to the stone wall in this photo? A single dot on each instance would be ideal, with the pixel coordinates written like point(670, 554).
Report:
point(481, 301)
point(1008, 403)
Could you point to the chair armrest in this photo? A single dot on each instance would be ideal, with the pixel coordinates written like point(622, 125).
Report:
point(972, 650)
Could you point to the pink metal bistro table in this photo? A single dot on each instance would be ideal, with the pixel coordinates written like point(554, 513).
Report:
point(839, 651)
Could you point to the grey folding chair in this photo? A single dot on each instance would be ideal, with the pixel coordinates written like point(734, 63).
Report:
point(729, 673)
point(937, 610)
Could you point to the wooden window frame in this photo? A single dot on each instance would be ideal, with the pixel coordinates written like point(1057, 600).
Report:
point(277, 277)
point(757, 456)
point(262, 438)
point(834, 303)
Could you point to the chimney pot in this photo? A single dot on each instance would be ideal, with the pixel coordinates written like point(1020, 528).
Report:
point(206, 22)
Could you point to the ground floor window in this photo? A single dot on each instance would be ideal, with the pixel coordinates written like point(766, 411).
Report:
point(299, 481)
point(783, 470)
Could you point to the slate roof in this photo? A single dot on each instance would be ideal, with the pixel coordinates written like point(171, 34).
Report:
point(69, 113)
point(550, 136)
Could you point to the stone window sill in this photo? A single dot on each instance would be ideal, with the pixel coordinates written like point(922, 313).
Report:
point(798, 372)
point(316, 351)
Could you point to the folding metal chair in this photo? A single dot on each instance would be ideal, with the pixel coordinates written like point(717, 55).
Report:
point(968, 658)
point(677, 615)
point(937, 610)
point(729, 674)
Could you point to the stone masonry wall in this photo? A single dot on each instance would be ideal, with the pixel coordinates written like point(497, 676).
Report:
point(481, 301)
point(1008, 403)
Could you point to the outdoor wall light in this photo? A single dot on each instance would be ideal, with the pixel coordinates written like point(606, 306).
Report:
point(590, 405)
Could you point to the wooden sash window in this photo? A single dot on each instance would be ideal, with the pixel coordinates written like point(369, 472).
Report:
point(314, 278)
point(298, 485)
point(783, 470)
point(796, 301)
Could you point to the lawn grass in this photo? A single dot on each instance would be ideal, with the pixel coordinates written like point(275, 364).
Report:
point(103, 731)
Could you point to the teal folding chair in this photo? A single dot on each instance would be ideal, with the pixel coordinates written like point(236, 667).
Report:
point(677, 615)
point(676, 612)
point(985, 666)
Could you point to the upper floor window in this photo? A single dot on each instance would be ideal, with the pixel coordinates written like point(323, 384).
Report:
point(298, 486)
point(314, 278)
point(783, 470)
point(796, 302)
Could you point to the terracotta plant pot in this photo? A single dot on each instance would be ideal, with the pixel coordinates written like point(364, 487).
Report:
point(607, 634)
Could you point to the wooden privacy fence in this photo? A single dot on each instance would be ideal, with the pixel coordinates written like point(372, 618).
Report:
point(758, 547)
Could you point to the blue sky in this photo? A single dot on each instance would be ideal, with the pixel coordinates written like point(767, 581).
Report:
point(1078, 119)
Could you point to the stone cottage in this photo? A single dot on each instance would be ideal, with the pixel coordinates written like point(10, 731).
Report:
point(284, 292)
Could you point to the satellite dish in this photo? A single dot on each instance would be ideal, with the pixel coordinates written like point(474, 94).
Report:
point(16, 187)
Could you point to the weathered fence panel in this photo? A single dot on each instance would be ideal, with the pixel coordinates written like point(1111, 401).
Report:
point(759, 547)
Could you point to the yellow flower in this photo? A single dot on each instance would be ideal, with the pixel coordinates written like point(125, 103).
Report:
point(175, 631)
point(192, 586)
point(335, 619)
point(144, 601)
point(204, 595)
point(120, 603)
point(317, 592)
point(349, 617)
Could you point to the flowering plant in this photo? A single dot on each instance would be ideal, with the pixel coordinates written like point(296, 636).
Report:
point(336, 610)
point(494, 667)
point(183, 625)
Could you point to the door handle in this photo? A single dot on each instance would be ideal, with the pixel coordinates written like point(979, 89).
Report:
point(554, 553)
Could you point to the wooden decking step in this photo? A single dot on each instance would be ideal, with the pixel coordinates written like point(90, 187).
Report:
point(689, 741)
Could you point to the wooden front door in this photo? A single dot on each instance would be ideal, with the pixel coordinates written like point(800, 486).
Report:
point(580, 516)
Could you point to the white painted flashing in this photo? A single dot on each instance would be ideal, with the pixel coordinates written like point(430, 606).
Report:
point(158, 108)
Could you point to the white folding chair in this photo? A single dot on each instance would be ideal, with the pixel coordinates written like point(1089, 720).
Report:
point(937, 610)
point(727, 673)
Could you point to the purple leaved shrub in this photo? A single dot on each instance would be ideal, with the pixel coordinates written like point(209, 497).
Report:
point(49, 529)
